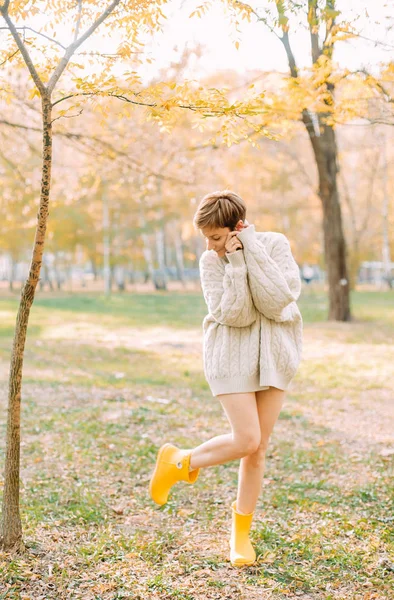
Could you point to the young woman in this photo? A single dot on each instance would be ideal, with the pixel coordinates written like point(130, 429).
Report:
point(252, 349)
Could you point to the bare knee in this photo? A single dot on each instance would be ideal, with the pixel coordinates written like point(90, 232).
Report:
point(247, 443)
point(257, 458)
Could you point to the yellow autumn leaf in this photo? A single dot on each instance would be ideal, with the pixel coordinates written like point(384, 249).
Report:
point(33, 93)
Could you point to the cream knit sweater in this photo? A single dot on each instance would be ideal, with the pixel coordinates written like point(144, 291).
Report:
point(253, 330)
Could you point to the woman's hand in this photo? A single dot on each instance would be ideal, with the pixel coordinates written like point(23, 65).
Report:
point(232, 245)
point(232, 242)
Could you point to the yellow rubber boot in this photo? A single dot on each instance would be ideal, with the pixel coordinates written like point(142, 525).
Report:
point(172, 465)
point(241, 549)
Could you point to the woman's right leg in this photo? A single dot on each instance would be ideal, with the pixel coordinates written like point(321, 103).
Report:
point(241, 411)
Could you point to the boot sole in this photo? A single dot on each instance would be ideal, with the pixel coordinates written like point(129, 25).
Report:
point(240, 563)
point(155, 471)
point(243, 564)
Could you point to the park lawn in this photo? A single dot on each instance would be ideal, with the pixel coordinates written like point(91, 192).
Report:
point(107, 381)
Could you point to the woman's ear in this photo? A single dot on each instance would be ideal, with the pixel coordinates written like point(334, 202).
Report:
point(239, 225)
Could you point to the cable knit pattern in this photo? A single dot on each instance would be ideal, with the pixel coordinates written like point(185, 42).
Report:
point(226, 290)
point(253, 330)
point(274, 276)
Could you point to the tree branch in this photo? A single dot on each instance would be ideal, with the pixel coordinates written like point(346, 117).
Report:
point(67, 116)
point(71, 49)
point(4, 8)
point(209, 112)
point(295, 156)
point(387, 96)
point(13, 166)
point(290, 56)
point(376, 42)
point(19, 126)
point(78, 20)
point(259, 18)
point(119, 96)
point(83, 139)
point(330, 23)
point(24, 27)
point(306, 117)
point(283, 23)
point(23, 50)
point(313, 29)
point(9, 57)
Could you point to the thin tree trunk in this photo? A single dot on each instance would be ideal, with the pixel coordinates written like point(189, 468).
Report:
point(46, 278)
point(12, 274)
point(131, 273)
point(119, 276)
point(106, 244)
point(147, 250)
point(57, 273)
point(94, 267)
point(386, 258)
point(11, 527)
point(160, 251)
point(167, 246)
point(111, 278)
point(179, 254)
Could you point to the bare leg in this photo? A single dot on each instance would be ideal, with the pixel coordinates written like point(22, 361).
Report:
point(241, 411)
point(251, 469)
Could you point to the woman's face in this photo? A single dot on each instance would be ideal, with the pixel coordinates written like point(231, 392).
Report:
point(216, 238)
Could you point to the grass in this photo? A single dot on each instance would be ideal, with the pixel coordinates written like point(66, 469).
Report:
point(107, 381)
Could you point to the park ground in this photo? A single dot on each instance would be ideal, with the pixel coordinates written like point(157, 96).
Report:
point(108, 380)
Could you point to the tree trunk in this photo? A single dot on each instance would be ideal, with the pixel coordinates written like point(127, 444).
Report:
point(147, 250)
point(324, 144)
point(179, 254)
point(94, 266)
point(12, 274)
point(11, 527)
point(167, 245)
point(161, 280)
point(131, 272)
point(57, 272)
point(119, 277)
point(106, 243)
point(334, 239)
point(46, 278)
point(386, 258)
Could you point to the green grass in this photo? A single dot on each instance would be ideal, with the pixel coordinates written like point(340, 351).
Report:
point(181, 310)
point(145, 310)
point(96, 405)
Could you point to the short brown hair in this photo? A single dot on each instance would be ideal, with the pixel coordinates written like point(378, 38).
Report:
point(220, 209)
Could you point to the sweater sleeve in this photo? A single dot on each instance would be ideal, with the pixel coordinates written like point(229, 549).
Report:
point(274, 280)
point(225, 288)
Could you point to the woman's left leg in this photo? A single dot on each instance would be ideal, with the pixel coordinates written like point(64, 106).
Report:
point(251, 469)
